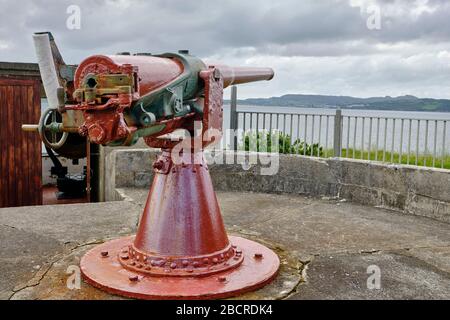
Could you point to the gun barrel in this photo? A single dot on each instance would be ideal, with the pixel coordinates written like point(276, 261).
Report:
point(240, 75)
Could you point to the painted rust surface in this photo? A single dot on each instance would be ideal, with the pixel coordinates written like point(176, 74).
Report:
point(213, 106)
point(106, 86)
point(259, 267)
point(109, 85)
point(154, 72)
point(182, 216)
point(211, 119)
point(181, 249)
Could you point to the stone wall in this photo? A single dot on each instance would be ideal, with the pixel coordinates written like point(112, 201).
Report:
point(409, 189)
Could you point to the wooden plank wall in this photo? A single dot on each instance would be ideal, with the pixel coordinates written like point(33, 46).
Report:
point(20, 152)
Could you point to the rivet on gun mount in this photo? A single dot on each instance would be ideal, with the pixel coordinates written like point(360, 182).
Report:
point(181, 249)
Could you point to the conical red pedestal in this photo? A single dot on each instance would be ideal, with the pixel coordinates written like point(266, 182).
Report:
point(181, 249)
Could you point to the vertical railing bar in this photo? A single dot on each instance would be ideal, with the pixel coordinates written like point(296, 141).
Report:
point(401, 142)
point(348, 136)
point(409, 141)
point(385, 139)
point(312, 136)
point(244, 128)
point(291, 131)
point(306, 126)
point(417, 142)
point(354, 137)
point(284, 132)
point(370, 138)
point(244, 120)
point(393, 140)
point(298, 132)
point(377, 139)
point(326, 137)
point(278, 130)
point(426, 144)
point(237, 138)
point(443, 143)
point(362, 136)
point(284, 124)
point(320, 135)
point(262, 122)
point(237, 127)
point(434, 144)
point(337, 133)
point(257, 129)
point(341, 130)
point(234, 120)
point(270, 124)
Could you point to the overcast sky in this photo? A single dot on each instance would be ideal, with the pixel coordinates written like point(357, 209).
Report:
point(315, 46)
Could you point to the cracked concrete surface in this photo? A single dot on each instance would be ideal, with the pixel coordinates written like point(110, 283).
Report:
point(325, 246)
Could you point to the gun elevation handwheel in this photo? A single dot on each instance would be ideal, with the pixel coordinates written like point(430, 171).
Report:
point(49, 129)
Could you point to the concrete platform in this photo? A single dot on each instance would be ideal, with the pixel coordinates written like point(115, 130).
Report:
point(326, 246)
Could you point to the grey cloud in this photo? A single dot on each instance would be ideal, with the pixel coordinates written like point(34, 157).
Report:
point(210, 26)
point(305, 37)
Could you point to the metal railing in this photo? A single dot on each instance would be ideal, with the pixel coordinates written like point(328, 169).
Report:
point(402, 140)
point(397, 139)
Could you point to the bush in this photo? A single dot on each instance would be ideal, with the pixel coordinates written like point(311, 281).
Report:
point(285, 144)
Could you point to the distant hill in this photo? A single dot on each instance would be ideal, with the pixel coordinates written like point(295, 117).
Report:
point(402, 103)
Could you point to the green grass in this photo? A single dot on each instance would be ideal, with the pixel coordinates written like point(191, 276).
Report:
point(422, 160)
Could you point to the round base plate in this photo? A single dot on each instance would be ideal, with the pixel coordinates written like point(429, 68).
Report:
point(108, 274)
